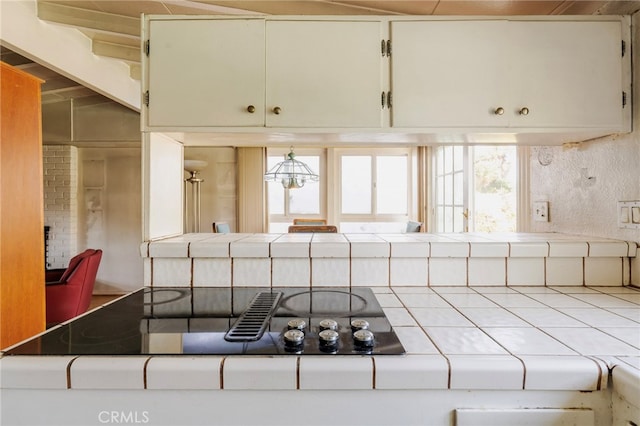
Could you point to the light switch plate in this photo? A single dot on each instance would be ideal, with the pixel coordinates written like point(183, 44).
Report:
point(628, 214)
point(541, 211)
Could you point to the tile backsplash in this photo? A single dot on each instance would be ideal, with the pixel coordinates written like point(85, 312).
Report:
point(380, 260)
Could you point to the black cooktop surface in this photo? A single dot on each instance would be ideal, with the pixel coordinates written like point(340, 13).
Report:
point(176, 320)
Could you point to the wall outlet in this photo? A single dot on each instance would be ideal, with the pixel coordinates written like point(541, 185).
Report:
point(541, 211)
point(629, 214)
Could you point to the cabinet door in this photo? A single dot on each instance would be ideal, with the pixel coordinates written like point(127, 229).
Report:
point(323, 74)
point(449, 73)
point(206, 73)
point(568, 74)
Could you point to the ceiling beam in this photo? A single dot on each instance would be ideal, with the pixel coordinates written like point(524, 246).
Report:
point(66, 51)
point(117, 51)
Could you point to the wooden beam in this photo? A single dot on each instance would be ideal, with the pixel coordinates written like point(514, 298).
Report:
point(85, 18)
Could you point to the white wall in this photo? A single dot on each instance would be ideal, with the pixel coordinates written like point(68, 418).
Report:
point(218, 191)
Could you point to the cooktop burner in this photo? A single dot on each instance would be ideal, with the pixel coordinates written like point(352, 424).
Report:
point(224, 321)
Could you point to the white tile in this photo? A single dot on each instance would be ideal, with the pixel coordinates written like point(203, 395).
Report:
point(408, 271)
point(487, 271)
point(463, 341)
point(626, 382)
point(606, 301)
point(568, 249)
point(370, 249)
point(447, 271)
point(146, 271)
point(330, 272)
point(388, 300)
point(290, 249)
point(183, 372)
point(528, 249)
point(412, 290)
point(415, 340)
point(144, 249)
point(449, 249)
point(564, 271)
point(336, 373)
point(527, 341)
point(399, 317)
point(492, 317)
point(370, 271)
point(608, 249)
point(330, 245)
point(627, 335)
point(428, 300)
point(168, 249)
point(171, 272)
point(589, 341)
point(244, 373)
point(249, 248)
point(419, 249)
point(603, 271)
point(440, 317)
point(108, 372)
point(215, 247)
point(486, 372)
point(546, 317)
point(469, 300)
point(30, 372)
point(525, 271)
point(251, 272)
point(489, 249)
point(288, 272)
point(411, 372)
point(514, 301)
point(631, 313)
point(559, 301)
point(212, 272)
point(524, 416)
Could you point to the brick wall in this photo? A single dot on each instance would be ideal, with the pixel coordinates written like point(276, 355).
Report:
point(60, 165)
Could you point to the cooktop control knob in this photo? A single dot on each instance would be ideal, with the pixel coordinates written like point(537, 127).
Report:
point(293, 338)
point(363, 339)
point(328, 337)
point(359, 324)
point(297, 324)
point(328, 324)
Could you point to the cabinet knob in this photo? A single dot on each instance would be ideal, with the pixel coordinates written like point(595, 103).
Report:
point(251, 109)
point(277, 110)
point(524, 111)
point(499, 111)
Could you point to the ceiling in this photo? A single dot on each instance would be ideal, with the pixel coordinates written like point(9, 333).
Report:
point(112, 27)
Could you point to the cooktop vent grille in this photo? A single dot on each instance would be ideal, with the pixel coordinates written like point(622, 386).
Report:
point(251, 325)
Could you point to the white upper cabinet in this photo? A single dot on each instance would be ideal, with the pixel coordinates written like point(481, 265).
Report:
point(205, 73)
point(566, 74)
point(323, 74)
point(449, 73)
point(524, 74)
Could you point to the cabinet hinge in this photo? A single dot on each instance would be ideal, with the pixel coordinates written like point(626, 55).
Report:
point(385, 48)
point(624, 99)
point(146, 98)
point(389, 99)
point(147, 47)
point(624, 48)
point(385, 99)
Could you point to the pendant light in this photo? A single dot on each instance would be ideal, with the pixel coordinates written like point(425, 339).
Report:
point(291, 173)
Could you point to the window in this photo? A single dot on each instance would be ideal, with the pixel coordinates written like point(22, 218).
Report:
point(286, 204)
point(375, 190)
point(475, 188)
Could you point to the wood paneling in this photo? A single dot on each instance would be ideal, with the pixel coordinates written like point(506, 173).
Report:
point(22, 293)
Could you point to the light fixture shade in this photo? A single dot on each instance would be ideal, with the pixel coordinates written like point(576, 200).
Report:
point(291, 173)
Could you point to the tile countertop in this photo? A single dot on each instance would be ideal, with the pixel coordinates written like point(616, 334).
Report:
point(483, 338)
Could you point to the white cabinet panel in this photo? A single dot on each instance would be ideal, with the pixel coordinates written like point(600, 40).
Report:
point(206, 73)
point(567, 74)
point(507, 74)
point(449, 73)
point(323, 74)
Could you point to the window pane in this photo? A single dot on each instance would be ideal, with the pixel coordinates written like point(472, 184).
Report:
point(448, 159)
point(458, 189)
point(448, 189)
point(391, 184)
point(356, 184)
point(306, 200)
point(458, 157)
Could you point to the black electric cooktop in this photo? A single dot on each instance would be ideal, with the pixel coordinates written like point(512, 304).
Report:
point(225, 321)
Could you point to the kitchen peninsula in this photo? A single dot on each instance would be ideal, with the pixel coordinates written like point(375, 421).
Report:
point(498, 329)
